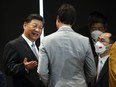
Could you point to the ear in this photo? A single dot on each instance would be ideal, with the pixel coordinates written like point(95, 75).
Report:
point(24, 25)
point(58, 19)
point(104, 29)
point(109, 46)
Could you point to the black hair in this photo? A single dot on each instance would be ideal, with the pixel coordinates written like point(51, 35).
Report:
point(67, 14)
point(34, 16)
point(112, 39)
point(97, 17)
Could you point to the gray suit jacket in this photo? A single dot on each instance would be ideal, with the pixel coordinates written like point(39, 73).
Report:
point(66, 59)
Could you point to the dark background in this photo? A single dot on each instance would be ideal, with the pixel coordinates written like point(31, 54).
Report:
point(13, 13)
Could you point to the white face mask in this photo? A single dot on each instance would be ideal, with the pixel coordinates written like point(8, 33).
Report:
point(95, 34)
point(99, 47)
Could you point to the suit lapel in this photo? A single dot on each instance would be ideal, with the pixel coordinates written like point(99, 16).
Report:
point(104, 70)
point(25, 46)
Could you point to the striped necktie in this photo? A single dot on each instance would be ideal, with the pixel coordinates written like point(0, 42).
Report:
point(33, 46)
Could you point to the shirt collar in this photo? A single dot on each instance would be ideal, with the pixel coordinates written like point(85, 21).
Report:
point(65, 26)
point(27, 40)
point(103, 59)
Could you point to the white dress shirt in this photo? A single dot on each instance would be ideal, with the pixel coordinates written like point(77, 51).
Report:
point(30, 43)
point(101, 63)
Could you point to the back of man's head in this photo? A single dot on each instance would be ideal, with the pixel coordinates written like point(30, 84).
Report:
point(67, 14)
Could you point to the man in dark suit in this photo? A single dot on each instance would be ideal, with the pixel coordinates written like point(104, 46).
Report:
point(102, 47)
point(19, 59)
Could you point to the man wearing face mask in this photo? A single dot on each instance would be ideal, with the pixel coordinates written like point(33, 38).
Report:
point(98, 24)
point(102, 47)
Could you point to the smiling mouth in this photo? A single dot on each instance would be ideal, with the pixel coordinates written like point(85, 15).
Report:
point(35, 34)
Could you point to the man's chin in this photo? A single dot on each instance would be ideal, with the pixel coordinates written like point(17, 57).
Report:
point(35, 38)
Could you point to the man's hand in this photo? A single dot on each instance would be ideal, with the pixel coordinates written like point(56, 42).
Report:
point(29, 65)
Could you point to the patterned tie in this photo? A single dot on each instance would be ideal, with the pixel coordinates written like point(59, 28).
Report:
point(33, 46)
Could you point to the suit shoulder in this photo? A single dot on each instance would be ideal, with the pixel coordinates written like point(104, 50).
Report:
point(12, 42)
point(50, 36)
point(81, 36)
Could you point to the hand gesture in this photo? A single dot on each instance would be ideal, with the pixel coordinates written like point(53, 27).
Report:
point(29, 65)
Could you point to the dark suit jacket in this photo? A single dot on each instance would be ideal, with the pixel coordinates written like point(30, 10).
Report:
point(3, 82)
point(14, 53)
point(103, 79)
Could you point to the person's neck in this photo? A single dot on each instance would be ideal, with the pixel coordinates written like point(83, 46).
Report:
point(105, 53)
point(62, 24)
point(28, 37)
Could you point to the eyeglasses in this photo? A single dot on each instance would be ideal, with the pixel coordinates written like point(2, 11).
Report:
point(102, 40)
point(35, 26)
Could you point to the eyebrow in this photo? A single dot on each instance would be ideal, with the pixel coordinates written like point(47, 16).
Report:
point(103, 39)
